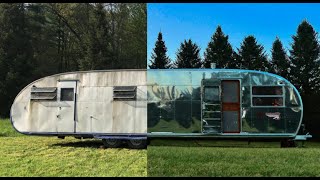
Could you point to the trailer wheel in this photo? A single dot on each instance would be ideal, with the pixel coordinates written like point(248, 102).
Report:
point(111, 143)
point(137, 143)
point(288, 143)
point(292, 143)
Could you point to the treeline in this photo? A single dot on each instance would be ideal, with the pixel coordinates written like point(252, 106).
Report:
point(301, 65)
point(40, 39)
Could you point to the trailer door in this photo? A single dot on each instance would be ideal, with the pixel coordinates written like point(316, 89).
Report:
point(230, 106)
point(66, 110)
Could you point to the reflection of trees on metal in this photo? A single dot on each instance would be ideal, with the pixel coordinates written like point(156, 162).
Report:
point(175, 103)
point(163, 92)
point(153, 114)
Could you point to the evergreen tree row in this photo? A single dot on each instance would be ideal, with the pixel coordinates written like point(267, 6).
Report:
point(301, 66)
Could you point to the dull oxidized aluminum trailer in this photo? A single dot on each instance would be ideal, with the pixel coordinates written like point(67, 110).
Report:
point(108, 105)
point(222, 103)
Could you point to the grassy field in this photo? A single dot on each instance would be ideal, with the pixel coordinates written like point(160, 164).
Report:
point(231, 158)
point(6, 129)
point(30, 156)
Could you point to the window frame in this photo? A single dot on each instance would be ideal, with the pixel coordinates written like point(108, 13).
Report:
point(61, 90)
point(215, 87)
point(267, 96)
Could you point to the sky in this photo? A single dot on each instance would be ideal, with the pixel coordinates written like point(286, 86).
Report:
point(198, 21)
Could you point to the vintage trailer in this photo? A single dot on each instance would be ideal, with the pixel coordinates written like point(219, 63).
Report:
point(108, 105)
point(222, 103)
point(129, 105)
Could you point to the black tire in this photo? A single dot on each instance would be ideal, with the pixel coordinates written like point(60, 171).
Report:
point(285, 143)
point(292, 143)
point(111, 143)
point(137, 143)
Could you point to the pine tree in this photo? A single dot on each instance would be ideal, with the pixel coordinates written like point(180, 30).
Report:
point(252, 55)
point(43, 39)
point(304, 55)
point(279, 61)
point(235, 62)
point(219, 51)
point(98, 39)
point(188, 55)
point(159, 58)
point(16, 53)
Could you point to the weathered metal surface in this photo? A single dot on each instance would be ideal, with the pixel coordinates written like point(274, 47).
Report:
point(65, 114)
point(94, 107)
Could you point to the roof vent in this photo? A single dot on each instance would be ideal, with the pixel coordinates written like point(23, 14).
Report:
point(213, 65)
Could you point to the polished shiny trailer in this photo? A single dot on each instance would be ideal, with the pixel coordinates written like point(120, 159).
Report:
point(223, 103)
point(107, 105)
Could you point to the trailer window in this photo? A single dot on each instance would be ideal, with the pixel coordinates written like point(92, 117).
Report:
point(267, 96)
point(43, 93)
point(67, 94)
point(267, 101)
point(124, 93)
point(267, 90)
point(211, 94)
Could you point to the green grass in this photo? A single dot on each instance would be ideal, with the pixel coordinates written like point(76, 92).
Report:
point(6, 129)
point(231, 158)
point(30, 156)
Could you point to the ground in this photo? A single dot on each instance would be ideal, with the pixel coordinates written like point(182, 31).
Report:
point(231, 158)
point(29, 156)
